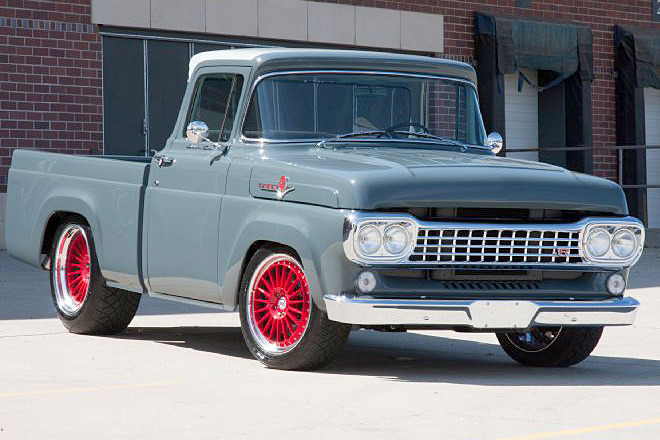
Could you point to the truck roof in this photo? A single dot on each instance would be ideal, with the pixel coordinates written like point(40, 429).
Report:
point(268, 59)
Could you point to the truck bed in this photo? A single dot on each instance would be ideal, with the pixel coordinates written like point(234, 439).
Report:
point(107, 190)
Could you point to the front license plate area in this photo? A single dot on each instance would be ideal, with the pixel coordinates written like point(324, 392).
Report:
point(502, 314)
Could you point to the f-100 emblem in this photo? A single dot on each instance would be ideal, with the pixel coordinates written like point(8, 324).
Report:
point(561, 252)
point(280, 189)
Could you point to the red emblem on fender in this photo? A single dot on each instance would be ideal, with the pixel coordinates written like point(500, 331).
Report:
point(281, 189)
point(281, 185)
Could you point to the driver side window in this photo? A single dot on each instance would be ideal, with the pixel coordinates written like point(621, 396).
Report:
point(215, 102)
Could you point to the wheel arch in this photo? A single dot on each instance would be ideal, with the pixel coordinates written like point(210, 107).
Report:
point(58, 209)
point(233, 278)
point(54, 221)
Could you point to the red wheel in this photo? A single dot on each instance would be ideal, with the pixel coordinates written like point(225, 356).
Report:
point(83, 301)
point(281, 324)
point(278, 304)
point(71, 274)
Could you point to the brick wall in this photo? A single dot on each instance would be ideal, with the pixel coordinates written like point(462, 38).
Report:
point(50, 65)
point(600, 16)
point(50, 78)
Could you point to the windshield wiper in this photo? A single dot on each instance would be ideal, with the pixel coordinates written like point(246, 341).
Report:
point(432, 136)
point(339, 137)
point(388, 134)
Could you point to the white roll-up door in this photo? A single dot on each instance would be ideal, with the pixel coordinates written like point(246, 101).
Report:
point(521, 115)
point(652, 117)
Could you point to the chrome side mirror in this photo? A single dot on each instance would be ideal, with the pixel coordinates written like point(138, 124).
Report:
point(197, 131)
point(495, 142)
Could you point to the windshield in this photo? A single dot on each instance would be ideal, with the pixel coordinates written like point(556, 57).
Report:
point(315, 106)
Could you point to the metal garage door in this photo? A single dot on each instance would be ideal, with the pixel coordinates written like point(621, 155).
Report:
point(521, 115)
point(652, 116)
point(144, 79)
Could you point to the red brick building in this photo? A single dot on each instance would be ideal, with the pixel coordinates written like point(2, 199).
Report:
point(105, 76)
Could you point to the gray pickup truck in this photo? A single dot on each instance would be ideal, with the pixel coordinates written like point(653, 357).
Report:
point(319, 191)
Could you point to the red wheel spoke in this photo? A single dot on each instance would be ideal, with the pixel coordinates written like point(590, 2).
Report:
point(267, 283)
point(288, 280)
point(288, 325)
point(295, 293)
point(299, 312)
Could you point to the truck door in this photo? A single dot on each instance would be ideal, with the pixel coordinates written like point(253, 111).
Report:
point(185, 190)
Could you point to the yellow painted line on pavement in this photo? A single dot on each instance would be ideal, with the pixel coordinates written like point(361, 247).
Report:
point(585, 430)
point(84, 389)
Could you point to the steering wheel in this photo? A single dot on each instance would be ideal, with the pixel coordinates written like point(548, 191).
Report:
point(393, 128)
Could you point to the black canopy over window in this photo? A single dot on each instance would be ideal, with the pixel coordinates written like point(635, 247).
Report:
point(561, 48)
point(644, 48)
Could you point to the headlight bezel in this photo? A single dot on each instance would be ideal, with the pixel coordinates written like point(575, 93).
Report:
point(382, 255)
point(612, 228)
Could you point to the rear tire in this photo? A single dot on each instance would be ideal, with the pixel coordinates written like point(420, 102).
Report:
point(281, 325)
point(551, 346)
point(82, 300)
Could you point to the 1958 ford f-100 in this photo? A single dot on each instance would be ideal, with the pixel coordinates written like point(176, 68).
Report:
point(318, 191)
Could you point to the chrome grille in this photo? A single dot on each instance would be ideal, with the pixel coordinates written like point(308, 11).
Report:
point(511, 246)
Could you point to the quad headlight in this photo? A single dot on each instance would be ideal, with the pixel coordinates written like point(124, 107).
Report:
point(381, 240)
point(369, 240)
point(613, 243)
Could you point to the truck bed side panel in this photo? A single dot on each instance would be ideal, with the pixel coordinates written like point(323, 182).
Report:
point(106, 192)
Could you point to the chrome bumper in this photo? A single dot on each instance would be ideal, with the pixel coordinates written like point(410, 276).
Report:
point(480, 314)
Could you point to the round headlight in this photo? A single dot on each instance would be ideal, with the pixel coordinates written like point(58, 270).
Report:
point(624, 243)
point(369, 240)
point(395, 239)
point(598, 242)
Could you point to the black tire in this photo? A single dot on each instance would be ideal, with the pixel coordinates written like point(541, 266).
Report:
point(571, 345)
point(104, 310)
point(318, 345)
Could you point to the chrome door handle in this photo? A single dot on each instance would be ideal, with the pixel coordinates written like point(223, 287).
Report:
point(164, 161)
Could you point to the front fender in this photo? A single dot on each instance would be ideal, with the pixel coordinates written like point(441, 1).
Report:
point(314, 232)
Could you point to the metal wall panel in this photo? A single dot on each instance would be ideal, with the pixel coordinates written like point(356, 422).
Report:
point(167, 78)
point(123, 96)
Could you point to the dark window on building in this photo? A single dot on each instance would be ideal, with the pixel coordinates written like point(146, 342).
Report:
point(216, 103)
point(524, 3)
point(656, 10)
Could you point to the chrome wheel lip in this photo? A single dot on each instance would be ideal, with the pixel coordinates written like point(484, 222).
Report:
point(63, 296)
point(516, 343)
point(262, 342)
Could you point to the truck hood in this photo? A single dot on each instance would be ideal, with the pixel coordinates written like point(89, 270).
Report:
point(373, 178)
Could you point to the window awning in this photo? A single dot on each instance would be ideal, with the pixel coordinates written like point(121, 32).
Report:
point(558, 47)
point(643, 47)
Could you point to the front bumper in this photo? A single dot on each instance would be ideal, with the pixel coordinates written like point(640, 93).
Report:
point(480, 314)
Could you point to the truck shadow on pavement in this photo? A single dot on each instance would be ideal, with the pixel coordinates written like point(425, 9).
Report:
point(414, 357)
point(226, 341)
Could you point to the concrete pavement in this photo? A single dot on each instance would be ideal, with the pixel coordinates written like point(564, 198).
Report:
point(184, 373)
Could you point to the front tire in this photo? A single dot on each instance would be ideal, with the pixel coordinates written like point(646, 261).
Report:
point(281, 325)
point(551, 346)
point(82, 300)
